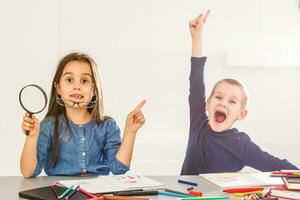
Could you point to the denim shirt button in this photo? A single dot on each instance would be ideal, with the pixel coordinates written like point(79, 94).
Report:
point(83, 154)
point(83, 138)
point(84, 170)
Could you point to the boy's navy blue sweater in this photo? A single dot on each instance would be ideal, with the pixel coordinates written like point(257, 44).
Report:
point(227, 151)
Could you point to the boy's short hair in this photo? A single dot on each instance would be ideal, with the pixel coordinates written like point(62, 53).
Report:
point(235, 82)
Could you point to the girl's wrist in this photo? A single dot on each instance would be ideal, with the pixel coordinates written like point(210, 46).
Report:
point(31, 140)
point(33, 137)
point(129, 131)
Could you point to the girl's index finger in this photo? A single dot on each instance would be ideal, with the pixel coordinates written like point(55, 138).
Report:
point(139, 107)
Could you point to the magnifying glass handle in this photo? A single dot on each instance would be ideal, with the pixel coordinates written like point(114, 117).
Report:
point(27, 132)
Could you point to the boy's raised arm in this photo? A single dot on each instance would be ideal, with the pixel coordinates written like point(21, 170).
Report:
point(197, 87)
point(196, 28)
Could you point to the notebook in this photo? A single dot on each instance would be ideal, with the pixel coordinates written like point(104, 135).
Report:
point(115, 183)
point(231, 180)
point(283, 192)
point(46, 193)
point(292, 183)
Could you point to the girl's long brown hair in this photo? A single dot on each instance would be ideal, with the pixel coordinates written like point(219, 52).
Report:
point(55, 110)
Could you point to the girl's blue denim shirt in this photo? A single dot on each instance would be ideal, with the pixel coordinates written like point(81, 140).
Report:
point(89, 149)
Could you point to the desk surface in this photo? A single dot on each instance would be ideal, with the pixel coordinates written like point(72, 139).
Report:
point(11, 185)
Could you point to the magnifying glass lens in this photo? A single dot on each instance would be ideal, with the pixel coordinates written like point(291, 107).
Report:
point(33, 99)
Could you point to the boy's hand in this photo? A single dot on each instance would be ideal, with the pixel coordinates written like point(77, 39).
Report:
point(30, 125)
point(135, 119)
point(197, 25)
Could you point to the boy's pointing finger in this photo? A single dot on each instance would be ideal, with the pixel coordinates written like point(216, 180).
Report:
point(206, 16)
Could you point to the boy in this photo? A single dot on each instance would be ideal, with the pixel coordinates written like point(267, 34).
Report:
point(214, 146)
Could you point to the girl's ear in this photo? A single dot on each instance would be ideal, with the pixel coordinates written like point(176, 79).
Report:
point(56, 85)
point(242, 115)
point(92, 94)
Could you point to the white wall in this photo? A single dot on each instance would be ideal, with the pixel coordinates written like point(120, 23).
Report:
point(143, 50)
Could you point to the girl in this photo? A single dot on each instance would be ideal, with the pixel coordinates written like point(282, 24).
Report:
point(75, 138)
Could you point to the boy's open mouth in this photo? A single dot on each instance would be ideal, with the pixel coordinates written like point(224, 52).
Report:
point(220, 116)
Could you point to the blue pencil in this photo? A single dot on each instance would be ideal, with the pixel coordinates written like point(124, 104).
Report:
point(187, 182)
point(171, 194)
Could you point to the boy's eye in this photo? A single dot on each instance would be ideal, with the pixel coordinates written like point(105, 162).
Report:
point(232, 102)
point(218, 97)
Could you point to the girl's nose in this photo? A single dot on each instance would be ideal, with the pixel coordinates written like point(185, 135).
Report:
point(76, 86)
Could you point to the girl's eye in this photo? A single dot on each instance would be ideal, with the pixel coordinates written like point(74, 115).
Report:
point(218, 97)
point(85, 81)
point(69, 80)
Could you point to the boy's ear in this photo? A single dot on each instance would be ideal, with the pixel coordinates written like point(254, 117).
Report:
point(242, 115)
point(57, 88)
point(206, 104)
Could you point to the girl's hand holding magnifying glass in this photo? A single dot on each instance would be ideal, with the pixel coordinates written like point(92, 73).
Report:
point(33, 100)
point(31, 125)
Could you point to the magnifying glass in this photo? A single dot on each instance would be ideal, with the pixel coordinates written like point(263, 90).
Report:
point(33, 99)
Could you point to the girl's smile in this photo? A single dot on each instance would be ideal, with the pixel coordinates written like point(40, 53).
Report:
point(76, 96)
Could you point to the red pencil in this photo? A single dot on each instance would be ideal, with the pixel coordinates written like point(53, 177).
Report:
point(237, 190)
point(289, 173)
point(196, 193)
point(87, 193)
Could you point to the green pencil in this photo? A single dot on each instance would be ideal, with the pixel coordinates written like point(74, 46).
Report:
point(66, 192)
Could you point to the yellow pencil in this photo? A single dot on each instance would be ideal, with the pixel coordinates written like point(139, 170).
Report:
point(242, 194)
